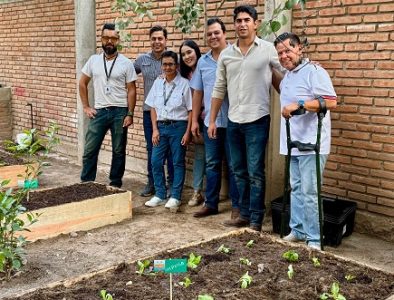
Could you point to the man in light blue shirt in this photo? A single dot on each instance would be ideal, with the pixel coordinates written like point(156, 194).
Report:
point(202, 83)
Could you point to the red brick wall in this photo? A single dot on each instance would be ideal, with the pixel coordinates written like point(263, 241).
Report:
point(38, 62)
point(354, 41)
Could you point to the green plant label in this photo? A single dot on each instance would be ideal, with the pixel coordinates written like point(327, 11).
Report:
point(31, 184)
point(171, 265)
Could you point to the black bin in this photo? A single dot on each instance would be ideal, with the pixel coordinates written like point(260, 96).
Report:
point(338, 219)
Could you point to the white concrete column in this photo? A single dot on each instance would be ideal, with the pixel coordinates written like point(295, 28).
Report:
point(275, 162)
point(85, 46)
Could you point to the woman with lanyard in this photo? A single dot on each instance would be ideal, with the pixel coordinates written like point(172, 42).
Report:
point(189, 55)
point(171, 102)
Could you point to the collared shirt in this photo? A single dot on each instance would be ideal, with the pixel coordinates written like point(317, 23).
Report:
point(173, 100)
point(150, 67)
point(306, 82)
point(203, 80)
point(247, 79)
point(122, 73)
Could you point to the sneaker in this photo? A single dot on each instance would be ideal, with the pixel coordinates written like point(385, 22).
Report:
point(148, 190)
point(155, 201)
point(314, 246)
point(172, 203)
point(291, 238)
point(196, 199)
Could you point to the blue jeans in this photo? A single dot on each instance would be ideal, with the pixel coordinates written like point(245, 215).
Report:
point(198, 167)
point(247, 148)
point(304, 219)
point(215, 150)
point(148, 132)
point(110, 118)
point(170, 139)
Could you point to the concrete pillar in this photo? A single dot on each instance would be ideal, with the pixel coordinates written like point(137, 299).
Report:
point(85, 46)
point(5, 113)
point(275, 162)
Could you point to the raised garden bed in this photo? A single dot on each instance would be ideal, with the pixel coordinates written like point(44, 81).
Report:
point(218, 275)
point(11, 168)
point(77, 207)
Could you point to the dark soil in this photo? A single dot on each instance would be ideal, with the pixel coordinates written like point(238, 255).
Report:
point(218, 275)
point(7, 159)
point(66, 194)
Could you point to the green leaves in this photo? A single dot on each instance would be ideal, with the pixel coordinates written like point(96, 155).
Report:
point(245, 261)
point(334, 293)
point(142, 265)
point(186, 282)
point(290, 271)
point(188, 13)
point(245, 280)
point(316, 261)
point(193, 261)
point(205, 297)
point(290, 256)
point(250, 244)
point(223, 249)
point(105, 296)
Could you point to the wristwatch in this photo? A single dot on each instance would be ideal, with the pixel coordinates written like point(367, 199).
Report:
point(130, 113)
point(301, 104)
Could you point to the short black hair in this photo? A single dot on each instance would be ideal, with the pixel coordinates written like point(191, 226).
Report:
point(250, 10)
point(108, 26)
point(158, 28)
point(183, 68)
point(294, 39)
point(169, 53)
point(212, 21)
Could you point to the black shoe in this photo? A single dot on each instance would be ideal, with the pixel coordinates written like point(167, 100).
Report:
point(148, 190)
point(239, 222)
point(205, 212)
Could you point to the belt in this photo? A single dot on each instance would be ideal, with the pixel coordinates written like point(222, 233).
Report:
point(167, 122)
point(113, 107)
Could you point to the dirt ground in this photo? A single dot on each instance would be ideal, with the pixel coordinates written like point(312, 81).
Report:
point(151, 230)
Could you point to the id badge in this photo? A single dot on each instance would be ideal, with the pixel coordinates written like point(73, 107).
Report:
point(165, 113)
point(107, 89)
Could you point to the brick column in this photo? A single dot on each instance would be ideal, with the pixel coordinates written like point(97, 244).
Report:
point(5, 113)
point(85, 46)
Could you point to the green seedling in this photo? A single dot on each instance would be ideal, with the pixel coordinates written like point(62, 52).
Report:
point(250, 244)
point(350, 277)
point(142, 265)
point(105, 296)
point(193, 261)
point(245, 261)
point(290, 256)
point(223, 249)
point(290, 272)
point(334, 293)
point(245, 280)
point(205, 297)
point(186, 282)
point(316, 261)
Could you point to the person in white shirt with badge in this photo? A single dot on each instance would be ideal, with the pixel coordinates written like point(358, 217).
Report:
point(171, 101)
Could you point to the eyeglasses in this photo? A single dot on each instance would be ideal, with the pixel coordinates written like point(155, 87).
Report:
point(106, 39)
point(168, 65)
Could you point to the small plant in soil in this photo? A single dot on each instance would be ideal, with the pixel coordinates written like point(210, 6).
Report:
point(350, 277)
point(245, 280)
point(205, 297)
point(250, 244)
point(105, 296)
point(223, 249)
point(186, 282)
point(12, 244)
point(245, 261)
point(142, 266)
point(290, 256)
point(290, 271)
point(193, 261)
point(316, 261)
point(335, 295)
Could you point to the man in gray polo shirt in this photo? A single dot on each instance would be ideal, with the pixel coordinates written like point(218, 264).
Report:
point(149, 64)
point(245, 72)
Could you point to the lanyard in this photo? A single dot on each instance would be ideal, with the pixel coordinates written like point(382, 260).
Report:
point(166, 98)
point(112, 66)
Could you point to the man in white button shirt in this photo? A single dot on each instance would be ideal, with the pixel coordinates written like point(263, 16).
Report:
point(245, 72)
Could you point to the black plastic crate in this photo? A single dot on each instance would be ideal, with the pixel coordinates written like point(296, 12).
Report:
point(338, 219)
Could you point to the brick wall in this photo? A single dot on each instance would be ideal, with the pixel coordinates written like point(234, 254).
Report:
point(354, 41)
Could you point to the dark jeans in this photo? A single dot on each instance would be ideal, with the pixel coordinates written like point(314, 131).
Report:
point(247, 147)
point(148, 132)
point(215, 151)
point(170, 138)
point(110, 118)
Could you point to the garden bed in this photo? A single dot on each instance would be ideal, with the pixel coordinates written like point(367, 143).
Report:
point(11, 168)
point(218, 275)
point(77, 207)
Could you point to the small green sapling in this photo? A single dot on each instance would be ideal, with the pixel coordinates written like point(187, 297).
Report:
point(186, 282)
point(142, 265)
point(193, 261)
point(105, 296)
point(245, 280)
point(250, 244)
point(290, 256)
point(245, 261)
point(290, 271)
point(205, 297)
point(223, 249)
point(334, 293)
point(316, 261)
